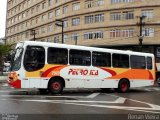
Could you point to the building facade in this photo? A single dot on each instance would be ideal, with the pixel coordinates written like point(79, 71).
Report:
point(102, 23)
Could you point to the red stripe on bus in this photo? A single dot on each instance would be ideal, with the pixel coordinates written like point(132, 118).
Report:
point(45, 74)
point(113, 73)
point(150, 75)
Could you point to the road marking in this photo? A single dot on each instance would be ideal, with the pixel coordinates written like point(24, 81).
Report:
point(59, 96)
point(146, 89)
point(93, 95)
point(120, 100)
point(5, 85)
point(157, 89)
point(152, 109)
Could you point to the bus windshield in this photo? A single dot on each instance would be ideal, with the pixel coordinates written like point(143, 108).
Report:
point(17, 57)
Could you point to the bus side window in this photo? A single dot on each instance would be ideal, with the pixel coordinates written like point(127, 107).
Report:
point(149, 63)
point(120, 60)
point(138, 62)
point(101, 59)
point(80, 57)
point(57, 56)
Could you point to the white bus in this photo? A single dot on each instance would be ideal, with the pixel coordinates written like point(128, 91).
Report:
point(52, 67)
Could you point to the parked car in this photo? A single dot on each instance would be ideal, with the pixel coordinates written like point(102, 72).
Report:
point(6, 67)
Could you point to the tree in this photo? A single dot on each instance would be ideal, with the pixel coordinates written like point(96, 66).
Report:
point(4, 50)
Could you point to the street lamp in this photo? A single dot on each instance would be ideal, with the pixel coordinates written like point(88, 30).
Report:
point(61, 24)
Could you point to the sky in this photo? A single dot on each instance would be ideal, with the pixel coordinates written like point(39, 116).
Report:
point(2, 17)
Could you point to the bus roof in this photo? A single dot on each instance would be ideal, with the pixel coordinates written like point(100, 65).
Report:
point(48, 44)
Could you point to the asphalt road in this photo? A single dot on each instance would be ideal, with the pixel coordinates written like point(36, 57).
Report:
point(139, 103)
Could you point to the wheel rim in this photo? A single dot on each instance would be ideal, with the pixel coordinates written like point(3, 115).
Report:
point(56, 86)
point(124, 87)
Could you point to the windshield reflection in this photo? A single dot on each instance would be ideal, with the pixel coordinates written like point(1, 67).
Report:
point(16, 59)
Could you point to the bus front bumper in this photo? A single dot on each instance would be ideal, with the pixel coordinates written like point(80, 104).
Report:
point(15, 84)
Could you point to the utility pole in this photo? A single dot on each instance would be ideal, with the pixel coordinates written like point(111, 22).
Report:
point(61, 25)
point(141, 24)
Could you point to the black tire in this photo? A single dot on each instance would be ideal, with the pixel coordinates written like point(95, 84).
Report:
point(158, 81)
point(105, 89)
point(55, 86)
point(123, 86)
point(43, 91)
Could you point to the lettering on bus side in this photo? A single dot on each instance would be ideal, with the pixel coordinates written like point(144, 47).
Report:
point(83, 72)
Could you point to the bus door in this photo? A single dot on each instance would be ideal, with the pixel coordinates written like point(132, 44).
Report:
point(34, 61)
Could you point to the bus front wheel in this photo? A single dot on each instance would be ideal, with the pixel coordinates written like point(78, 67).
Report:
point(55, 86)
point(123, 85)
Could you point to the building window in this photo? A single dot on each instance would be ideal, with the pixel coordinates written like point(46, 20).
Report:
point(128, 15)
point(65, 9)
point(37, 19)
point(37, 8)
point(65, 23)
point(75, 21)
point(147, 13)
point(43, 18)
point(93, 35)
point(50, 15)
point(120, 1)
point(99, 2)
point(65, 37)
point(75, 36)
point(148, 32)
point(88, 35)
point(98, 35)
point(56, 39)
point(94, 18)
point(57, 12)
point(50, 28)
point(121, 33)
point(89, 19)
point(76, 6)
point(43, 29)
point(44, 5)
point(99, 18)
point(57, 1)
point(115, 16)
point(89, 3)
point(127, 33)
point(32, 10)
point(50, 2)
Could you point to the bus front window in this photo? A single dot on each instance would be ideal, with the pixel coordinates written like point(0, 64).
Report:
point(34, 58)
point(16, 60)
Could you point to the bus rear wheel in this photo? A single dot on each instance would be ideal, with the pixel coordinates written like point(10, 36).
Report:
point(123, 86)
point(55, 86)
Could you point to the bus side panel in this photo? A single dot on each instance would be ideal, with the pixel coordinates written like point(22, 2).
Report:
point(141, 83)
